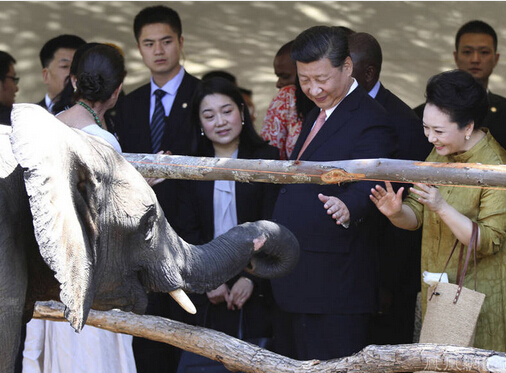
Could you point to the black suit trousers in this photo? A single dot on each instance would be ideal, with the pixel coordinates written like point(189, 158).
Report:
point(305, 336)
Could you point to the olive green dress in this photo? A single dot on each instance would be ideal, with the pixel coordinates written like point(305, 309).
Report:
point(487, 207)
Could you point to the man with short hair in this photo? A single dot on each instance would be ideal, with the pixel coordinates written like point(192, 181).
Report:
point(158, 32)
point(399, 260)
point(8, 86)
point(325, 303)
point(476, 53)
point(155, 119)
point(56, 57)
point(284, 68)
point(367, 58)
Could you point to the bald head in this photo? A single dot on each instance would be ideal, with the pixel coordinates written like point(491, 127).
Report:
point(366, 55)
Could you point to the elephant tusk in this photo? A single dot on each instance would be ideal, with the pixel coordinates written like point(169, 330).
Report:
point(182, 299)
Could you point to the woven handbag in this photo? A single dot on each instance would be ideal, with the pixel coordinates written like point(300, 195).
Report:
point(452, 309)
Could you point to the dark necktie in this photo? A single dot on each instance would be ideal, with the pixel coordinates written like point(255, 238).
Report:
point(320, 121)
point(158, 122)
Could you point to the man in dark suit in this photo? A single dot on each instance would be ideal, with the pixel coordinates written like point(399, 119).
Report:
point(476, 53)
point(326, 302)
point(154, 119)
point(56, 57)
point(399, 260)
point(8, 86)
point(158, 32)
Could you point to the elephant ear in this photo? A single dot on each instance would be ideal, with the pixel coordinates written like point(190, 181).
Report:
point(58, 183)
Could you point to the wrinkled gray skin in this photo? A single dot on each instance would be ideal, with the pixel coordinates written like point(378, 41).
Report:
point(79, 224)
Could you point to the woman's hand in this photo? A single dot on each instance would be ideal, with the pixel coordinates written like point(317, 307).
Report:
point(240, 293)
point(336, 208)
point(387, 201)
point(218, 295)
point(430, 197)
point(152, 181)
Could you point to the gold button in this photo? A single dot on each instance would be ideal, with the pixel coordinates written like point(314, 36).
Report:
point(493, 109)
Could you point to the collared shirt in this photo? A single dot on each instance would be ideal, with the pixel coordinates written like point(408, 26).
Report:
point(224, 207)
point(329, 112)
point(374, 91)
point(49, 103)
point(170, 88)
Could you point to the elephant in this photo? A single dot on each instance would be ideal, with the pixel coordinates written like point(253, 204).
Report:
point(79, 224)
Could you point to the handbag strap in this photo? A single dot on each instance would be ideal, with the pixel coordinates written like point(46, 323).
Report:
point(446, 265)
point(473, 245)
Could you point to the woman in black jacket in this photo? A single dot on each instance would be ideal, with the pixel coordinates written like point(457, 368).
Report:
point(224, 129)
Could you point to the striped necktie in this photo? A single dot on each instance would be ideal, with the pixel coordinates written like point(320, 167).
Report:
point(157, 122)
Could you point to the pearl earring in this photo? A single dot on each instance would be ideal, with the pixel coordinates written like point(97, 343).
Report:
point(468, 137)
point(201, 132)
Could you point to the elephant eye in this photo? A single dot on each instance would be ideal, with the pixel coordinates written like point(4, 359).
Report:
point(149, 223)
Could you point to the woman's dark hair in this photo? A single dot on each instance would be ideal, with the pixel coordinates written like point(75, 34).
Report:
point(100, 72)
point(202, 146)
point(303, 104)
point(66, 98)
point(457, 94)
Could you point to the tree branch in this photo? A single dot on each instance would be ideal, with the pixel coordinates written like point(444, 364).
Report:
point(297, 172)
point(239, 355)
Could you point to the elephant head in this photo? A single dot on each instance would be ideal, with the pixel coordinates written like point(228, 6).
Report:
point(102, 232)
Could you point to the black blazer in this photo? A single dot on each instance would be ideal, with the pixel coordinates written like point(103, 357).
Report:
point(495, 120)
point(336, 271)
point(5, 115)
point(42, 103)
point(413, 144)
point(131, 122)
point(254, 201)
point(399, 261)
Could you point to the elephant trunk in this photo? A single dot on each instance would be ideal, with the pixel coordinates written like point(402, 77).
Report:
point(262, 248)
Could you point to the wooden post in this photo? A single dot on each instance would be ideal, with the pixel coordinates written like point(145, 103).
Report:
point(239, 355)
point(297, 172)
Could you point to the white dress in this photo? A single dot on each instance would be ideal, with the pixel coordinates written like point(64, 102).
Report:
point(54, 347)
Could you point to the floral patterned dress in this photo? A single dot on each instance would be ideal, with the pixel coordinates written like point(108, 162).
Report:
point(281, 124)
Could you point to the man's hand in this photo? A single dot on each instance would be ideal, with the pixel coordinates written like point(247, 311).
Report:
point(337, 209)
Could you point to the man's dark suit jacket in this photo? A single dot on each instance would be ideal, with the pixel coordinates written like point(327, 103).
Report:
point(399, 261)
point(42, 103)
point(5, 115)
point(495, 120)
point(132, 117)
point(134, 134)
point(413, 144)
point(336, 270)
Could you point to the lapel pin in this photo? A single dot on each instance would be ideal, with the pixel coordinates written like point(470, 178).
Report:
point(185, 105)
point(493, 109)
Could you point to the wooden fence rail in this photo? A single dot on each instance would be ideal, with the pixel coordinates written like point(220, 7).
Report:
point(300, 172)
point(238, 355)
